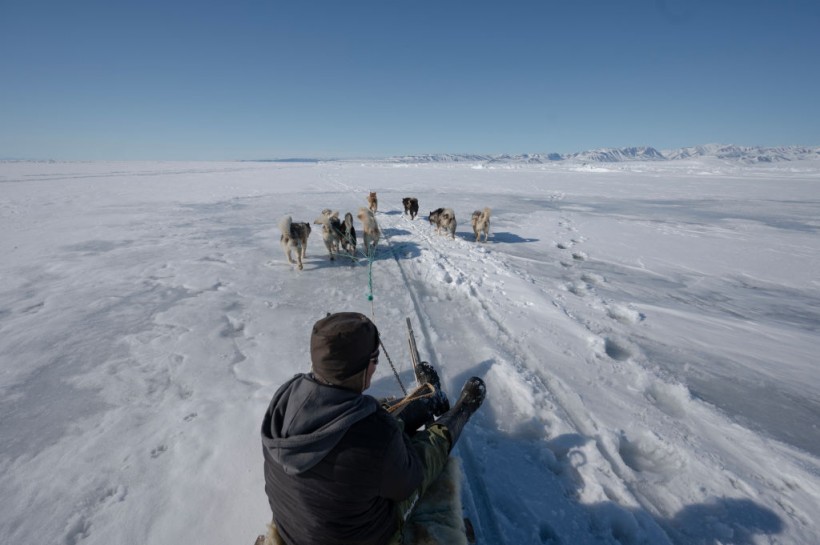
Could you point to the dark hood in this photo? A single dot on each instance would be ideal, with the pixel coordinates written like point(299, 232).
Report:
point(306, 419)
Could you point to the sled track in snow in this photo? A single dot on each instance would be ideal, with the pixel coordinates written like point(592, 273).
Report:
point(490, 530)
point(566, 404)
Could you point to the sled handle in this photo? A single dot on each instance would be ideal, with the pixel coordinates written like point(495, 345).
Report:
point(414, 351)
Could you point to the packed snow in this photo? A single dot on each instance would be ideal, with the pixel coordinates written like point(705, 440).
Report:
point(648, 333)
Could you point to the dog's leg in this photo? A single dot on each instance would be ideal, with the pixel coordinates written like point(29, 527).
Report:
point(300, 252)
point(337, 242)
point(286, 248)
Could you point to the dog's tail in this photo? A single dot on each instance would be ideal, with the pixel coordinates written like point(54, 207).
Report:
point(486, 213)
point(365, 215)
point(284, 225)
point(326, 216)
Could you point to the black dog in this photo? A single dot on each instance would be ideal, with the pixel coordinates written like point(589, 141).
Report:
point(411, 206)
point(349, 238)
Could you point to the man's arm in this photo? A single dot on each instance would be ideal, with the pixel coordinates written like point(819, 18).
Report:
point(402, 469)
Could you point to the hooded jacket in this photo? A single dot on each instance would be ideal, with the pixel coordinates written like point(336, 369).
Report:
point(336, 463)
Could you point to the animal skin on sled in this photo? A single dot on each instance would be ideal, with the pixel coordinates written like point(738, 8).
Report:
point(436, 520)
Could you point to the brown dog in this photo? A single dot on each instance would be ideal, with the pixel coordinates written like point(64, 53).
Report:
point(372, 202)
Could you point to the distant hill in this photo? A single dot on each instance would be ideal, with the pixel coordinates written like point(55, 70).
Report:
point(755, 154)
point(746, 154)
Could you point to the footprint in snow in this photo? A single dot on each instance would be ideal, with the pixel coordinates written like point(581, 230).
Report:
point(649, 452)
point(234, 327)
point(617, 350)
point(625, 315)
point(578, 288)
point(669, 398)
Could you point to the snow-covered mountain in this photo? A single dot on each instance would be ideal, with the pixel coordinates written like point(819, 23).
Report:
point(745, 154)
point(753, 154)
point(614, 155)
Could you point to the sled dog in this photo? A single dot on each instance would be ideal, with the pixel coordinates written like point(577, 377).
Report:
point(332, 234)
point(294, 238)
point(370, 229)
point(481, 223)
point(372, 202)
point(411, 206)
point(443, 218)
point(349, 238)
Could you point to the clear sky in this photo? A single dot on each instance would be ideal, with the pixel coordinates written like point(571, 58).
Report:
point(235, 79)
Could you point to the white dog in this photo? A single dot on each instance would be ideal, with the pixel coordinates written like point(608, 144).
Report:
point(481, 223)
point(370, 229)
point(294, 238)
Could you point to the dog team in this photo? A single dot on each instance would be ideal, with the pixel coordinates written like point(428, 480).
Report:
point(340, 235)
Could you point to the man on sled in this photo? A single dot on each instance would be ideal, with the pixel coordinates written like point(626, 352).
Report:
point(341, 469)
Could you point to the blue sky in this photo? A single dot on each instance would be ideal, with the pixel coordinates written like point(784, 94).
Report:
point(179, 79)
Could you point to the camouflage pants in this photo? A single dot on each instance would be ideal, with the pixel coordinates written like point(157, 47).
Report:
point(432, 446)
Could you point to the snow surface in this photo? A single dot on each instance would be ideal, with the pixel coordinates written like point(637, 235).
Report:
point(648, 333)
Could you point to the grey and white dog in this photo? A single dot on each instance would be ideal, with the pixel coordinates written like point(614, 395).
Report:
point(294, 238)
point(443, 218)
point(332, 234)
point(349, 239)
